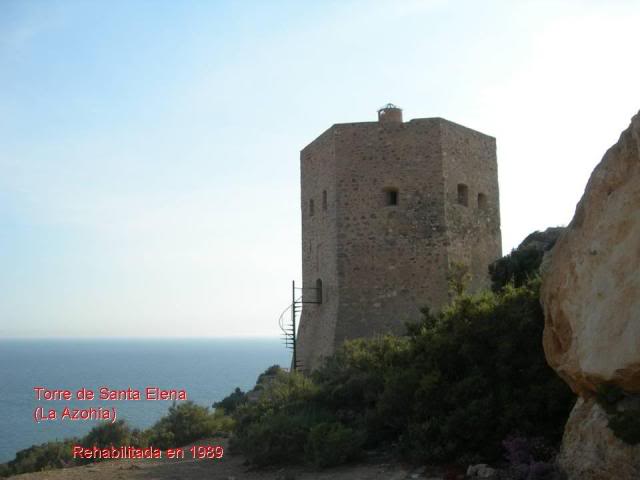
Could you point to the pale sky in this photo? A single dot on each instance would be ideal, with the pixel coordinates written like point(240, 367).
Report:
point(149, 150)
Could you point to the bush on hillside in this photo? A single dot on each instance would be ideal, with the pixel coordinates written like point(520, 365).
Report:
point(59, 454)
point(523, 263)
point(268, 374)
point(117, 434)
point(461, 382)
point(47, 456)
point(365, 385)
point(482, 375)
point(187, 422)
point(183, 423)
point(330, 444)
point(274, 427)
point(231, 402)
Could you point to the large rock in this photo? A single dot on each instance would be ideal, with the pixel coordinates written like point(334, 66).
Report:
point(591, 298)
point(591, 282)
point(590, 451)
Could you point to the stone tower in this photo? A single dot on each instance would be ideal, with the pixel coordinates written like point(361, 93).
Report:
point(388, 209)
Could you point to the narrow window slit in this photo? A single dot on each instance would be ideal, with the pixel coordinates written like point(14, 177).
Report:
point(482, 201)
point(463, 194)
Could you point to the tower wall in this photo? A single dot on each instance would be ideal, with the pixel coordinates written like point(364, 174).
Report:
point(391, 258)
point(393, 226)
point(473, 230)
point(316, 333)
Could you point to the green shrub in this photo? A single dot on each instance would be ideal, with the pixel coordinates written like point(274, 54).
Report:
point(364, 385)
point(516, 267)
point(185, 423)
point(278, 437)
point(46, 456)
point(523, 263)
point(52, 455)
point(274, 428)
point(482, 376)
point(231, 402)
point(272, 371)
point(117, 434)
point(331, 444)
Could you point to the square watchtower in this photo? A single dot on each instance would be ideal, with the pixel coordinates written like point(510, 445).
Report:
point(388, 209)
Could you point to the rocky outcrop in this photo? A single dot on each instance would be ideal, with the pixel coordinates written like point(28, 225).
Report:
point(542, 241)
point(591, 298)
point(591, 451)
point(591, 285)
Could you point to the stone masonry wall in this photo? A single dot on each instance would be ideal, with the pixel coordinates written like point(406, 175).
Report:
point(316, 334)
point(391, 258)
point(473, 230)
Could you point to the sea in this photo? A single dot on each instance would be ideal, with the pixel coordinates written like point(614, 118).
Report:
point(207, 369)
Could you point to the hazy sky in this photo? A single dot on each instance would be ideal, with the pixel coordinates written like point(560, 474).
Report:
point(149, 181)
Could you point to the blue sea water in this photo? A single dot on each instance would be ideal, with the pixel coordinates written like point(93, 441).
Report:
point(208, 369)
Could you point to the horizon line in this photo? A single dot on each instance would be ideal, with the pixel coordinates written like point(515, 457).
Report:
point(224, 337)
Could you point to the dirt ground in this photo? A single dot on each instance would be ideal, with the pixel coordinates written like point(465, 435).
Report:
point(230, 467)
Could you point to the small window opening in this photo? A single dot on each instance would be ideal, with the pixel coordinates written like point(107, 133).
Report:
point(324, 200)
point(482, 201)
point(311, 207)
point(463, 194)
point(319, 291)
point(391, 196)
